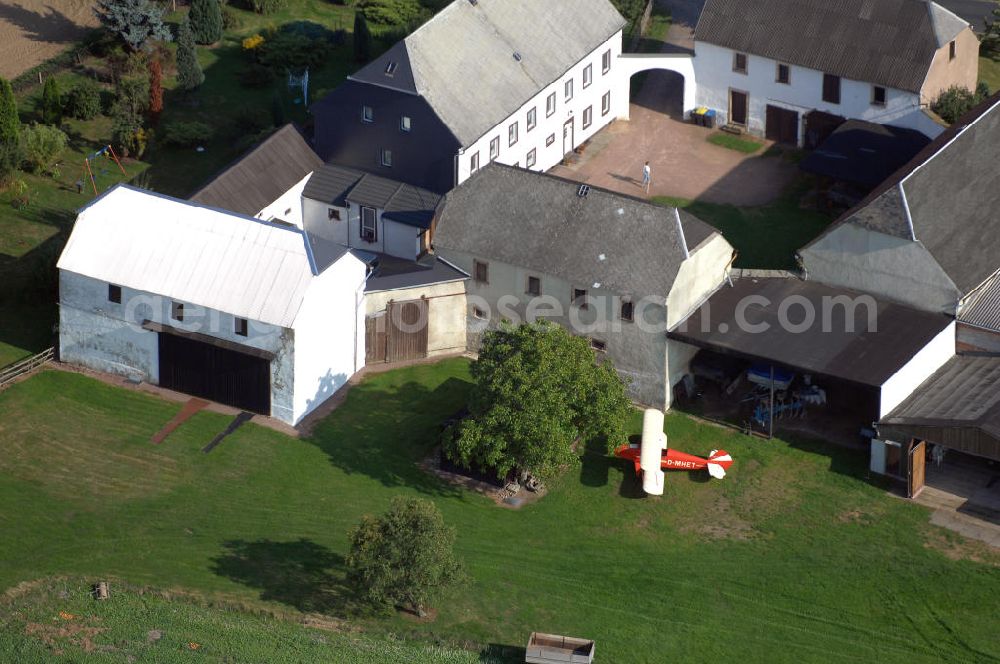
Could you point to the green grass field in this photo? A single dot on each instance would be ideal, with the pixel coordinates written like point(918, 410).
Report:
point(794, 557)
point(767, 236)
point(60, 616)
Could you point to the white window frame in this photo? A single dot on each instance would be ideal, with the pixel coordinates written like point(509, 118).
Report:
point(531, 159)
point(532, 120)
point(474, 162)
point(494, 149)
point(588, 76)
point(550, 105)
point(568, 90)
point(405, 124)
point(367, 114)
point(606, 61)
point(512, 134)
point(588, 117)
point(606, 103)
point(385, 157)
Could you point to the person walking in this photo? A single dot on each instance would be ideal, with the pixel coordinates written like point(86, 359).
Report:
point(647, 177)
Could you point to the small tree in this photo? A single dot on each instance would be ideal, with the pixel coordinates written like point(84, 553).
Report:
point(10, 132)
point(538, 389)
point(206, 21)
point(155, 90)
point(362, 38)
point(404, 557)
point(84, 101)
point(41, 148)
point(52, 103)
point(189, 73)
point(135, 22)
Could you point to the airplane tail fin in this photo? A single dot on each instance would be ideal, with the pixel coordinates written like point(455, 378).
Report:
point(718, 462)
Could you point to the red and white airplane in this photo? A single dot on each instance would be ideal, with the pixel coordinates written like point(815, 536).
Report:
point(652, 456)
point(717, 463)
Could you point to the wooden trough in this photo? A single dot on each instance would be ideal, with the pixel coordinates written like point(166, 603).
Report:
point(553, 649)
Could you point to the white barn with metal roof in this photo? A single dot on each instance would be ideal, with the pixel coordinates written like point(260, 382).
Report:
point(226, 307)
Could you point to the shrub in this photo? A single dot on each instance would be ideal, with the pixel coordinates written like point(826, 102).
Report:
point(186, 134)
point(127, 132)
point(231, 19)
point(391, 12)
point(293, 51)
point(41, 148)
point(251, 119)
point(404, 557)
point(956, 101)
point(266, 7)
point(83, 102)
point(52, 103)
point(256, 75)
point(252, 43)
point(206, 21)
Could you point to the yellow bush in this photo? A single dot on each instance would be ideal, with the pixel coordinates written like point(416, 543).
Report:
point(252, 42)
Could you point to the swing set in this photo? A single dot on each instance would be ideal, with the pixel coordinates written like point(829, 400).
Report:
point(106, 151)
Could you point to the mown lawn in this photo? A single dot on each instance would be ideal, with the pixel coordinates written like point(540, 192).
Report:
point(792, 558)
point(766, 236)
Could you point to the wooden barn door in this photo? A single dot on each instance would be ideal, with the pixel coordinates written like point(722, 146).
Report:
point(782, 125)
point(407, 331)
point(917, 465)
point(375, 338)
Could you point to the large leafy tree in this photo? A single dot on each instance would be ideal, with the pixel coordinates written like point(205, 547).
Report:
point(10, 131)
point(206, 21)
point(134, 21)
point(538, 389)
point(189, 73)
point(404, 557)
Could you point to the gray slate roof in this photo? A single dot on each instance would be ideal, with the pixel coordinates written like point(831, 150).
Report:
point(953, 192)
point(858, 355)
point(462, 60)
point(964, 392)
point(399, 202)
point(539, 222)
point(396, 273)
point(261, 176)
point(887, 42)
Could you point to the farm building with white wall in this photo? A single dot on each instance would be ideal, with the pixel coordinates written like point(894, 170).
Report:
point(218, 305)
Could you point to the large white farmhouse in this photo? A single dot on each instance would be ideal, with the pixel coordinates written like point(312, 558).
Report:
point(520, 82)
point(795, 69)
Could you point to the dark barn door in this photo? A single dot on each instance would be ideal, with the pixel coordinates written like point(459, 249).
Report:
point(218, 374)
point(782, 125)
point(407, 333)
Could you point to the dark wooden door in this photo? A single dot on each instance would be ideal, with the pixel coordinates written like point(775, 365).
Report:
point(407, 330)
point(738, 103)
point(218, 374)
point(375, 338)
point(782, 125)
point(917, 467)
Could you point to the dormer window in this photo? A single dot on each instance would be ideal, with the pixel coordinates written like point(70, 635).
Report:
point(390, 68)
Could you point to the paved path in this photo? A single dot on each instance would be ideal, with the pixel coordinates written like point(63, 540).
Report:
point(683, 163)
point(966, 499)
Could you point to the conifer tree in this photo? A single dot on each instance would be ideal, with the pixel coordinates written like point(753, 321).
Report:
point(189, 73)
point(206, 21)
